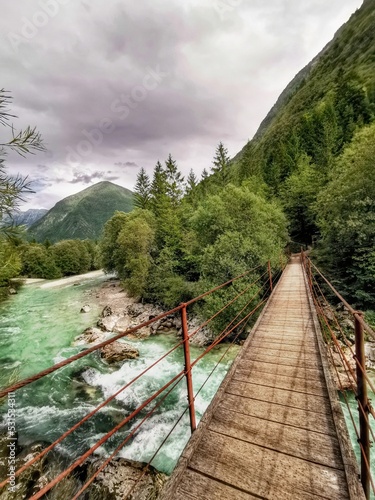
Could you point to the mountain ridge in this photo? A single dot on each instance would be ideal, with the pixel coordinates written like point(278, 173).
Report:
point(82, 215)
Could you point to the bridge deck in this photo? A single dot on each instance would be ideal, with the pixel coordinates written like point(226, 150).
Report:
point(270, 432)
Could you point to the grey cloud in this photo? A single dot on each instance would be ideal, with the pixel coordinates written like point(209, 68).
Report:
point(126, 164)
point(87, 178)
point(223, 74)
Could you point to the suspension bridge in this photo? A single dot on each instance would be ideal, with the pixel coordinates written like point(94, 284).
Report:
point(275, 428)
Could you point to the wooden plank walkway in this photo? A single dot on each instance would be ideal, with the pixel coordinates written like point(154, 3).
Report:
point(269, 432)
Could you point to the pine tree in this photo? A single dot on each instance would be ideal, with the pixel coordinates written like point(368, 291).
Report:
point(221, 165)
point(175, 181)
point(142, 190)
point(158, 190)
point(204, 175)
point(191, 182)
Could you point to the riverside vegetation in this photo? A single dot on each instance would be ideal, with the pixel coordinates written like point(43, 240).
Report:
point(308, 171)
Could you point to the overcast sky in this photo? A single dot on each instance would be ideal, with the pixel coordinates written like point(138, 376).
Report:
point(116, 85)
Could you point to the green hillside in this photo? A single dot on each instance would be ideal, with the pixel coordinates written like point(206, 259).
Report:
point(84, 214)
point(321, 108)
point(315, 152)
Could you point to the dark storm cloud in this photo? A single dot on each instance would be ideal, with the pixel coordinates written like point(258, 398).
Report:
point(125, 83)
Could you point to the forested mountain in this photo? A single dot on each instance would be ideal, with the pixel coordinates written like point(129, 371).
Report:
point(315, 151)
point(82, 215)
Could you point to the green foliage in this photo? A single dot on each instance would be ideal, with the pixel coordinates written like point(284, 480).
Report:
point(71, 257)
point(135, 240)
point(346, 218)
point(175, 182)
point(10, 262)
point(12, 189)
point(109, 252)
point(38, 262)
point(237, 231)
point(191, 183)
point(298, 195)
point(142, 190)
point(221, 165)
point(126, 248)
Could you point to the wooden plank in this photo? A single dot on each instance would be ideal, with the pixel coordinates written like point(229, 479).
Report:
point(303, 419)
point(304, 385)
point(304, 348)
point(265, 472)
point(282, 397)
point(293, 441)
point(196, 486)
point(282, 360)
point(286, 370)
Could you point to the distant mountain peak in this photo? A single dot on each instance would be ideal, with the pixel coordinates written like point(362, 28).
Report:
point(83, 215)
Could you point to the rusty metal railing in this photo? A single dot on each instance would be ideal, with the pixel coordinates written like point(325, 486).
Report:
point(357, 379)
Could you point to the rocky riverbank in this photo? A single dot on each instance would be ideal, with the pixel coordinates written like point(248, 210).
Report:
point(119, 478)
point(341, 353)
point(121, 312)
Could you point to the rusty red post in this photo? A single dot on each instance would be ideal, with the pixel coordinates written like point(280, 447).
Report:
point(270, 275)
point(188, 373)
point(363, 401)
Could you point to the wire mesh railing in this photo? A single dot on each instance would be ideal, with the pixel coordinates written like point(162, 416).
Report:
point(345, 341)
point(256, 290)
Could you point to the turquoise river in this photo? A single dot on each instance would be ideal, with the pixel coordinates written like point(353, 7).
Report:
point(37, 329)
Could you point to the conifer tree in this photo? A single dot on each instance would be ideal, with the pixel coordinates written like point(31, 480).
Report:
point(142, 190)
point(175, 181)
point(204, 174)
point(191, 182)
point(221, 165)
point(158, 192)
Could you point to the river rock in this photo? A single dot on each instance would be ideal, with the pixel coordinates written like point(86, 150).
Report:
point(120, 475)
point(108, 323)
point(89, 336)
point(203, 337)
point(118, 351)
point(37, 475)
point(107, 311)
point(348, 323)
point(85, 309)
point(122, 324)
point(134, 310)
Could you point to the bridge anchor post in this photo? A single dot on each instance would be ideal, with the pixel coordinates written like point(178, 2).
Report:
point(363, 403)
point(188, 373)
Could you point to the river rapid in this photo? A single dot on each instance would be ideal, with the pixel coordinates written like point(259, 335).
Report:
point(37, 329)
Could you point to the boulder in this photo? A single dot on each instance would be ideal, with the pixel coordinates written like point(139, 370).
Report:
point(107, 311)
point(122, 324)
point(108, 323)
point(85, 309)
point(168, 324)
point(13, 291)
point(134, 310)
point(89, 336)
point(118, 351)
point(120, 475)
point(348, 323)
